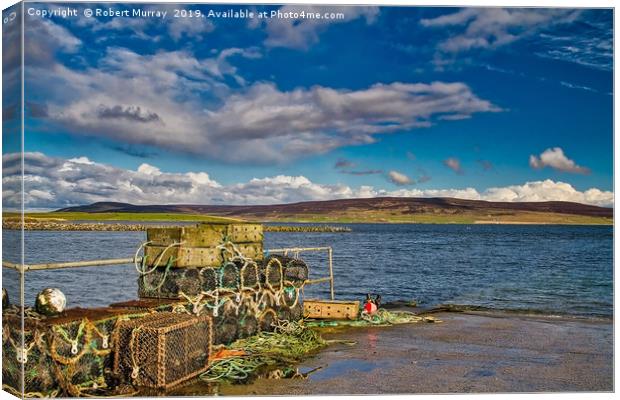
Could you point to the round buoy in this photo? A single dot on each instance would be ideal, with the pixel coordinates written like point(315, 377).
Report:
point(5, 298)
point(50, 301)
point(370, 307)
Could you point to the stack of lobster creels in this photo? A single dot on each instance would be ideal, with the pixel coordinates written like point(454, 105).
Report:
point(200, 287)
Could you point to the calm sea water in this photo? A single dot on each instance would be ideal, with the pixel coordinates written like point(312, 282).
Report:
point(544, 269)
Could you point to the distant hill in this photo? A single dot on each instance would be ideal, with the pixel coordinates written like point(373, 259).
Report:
point(381, 209)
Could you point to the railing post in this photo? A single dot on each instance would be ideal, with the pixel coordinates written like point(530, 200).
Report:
point(331, 272)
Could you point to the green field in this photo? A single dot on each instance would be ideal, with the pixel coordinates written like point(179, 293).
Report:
point(157, 217)
point(345, 216)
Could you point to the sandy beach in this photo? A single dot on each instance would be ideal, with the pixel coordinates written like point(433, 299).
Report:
point(468, 353)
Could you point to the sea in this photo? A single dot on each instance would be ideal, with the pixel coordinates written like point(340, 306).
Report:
point(535, 269)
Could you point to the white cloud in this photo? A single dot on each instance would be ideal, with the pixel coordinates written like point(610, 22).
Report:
point(43, 38)
point(454, 164)
point(494, 27)
point(301, 33)
point(195, 28)
point(591, 46)
point(158, 100)
point(490, 28)
point(576, 86)
point(81, 160)
point(399, 178)
point(556, 159)
point(54, 183)
point(176, 101)
point(549, 190)
point(316, 120)
point(149, 29)
point(583, 37)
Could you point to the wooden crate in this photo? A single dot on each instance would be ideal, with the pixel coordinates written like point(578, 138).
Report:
point(184, 257)
point(162, 349)
point(252, 250)
point(202, 235)
point(331, 309)
point(205, 235)
point(199, 243)
point(245, 233)
point(198, 257)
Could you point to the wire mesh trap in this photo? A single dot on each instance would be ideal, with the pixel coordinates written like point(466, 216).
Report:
point(66, 355)
point(163, 349)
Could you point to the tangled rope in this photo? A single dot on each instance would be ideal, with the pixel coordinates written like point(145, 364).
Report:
point(67, 359)
point(235, 368)
point(385, 317)
point(142, 269)
point(19, 394)
point(289, 342)
point(381, 317)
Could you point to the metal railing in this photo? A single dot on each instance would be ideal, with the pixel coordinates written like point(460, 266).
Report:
point(23, 268)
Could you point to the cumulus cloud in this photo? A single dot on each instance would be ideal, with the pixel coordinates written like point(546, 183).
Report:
point(316, 120)
point(147, 28)
point(549, 190)
point(131, 113)
point(399, 178)
point(304, 32)
point(188, 27)
point(162, 106)
point(54, 182)
point(176, 101)
point(556, 159)
point(454, 164)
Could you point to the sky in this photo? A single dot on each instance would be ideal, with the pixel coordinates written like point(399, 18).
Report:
point(478, 103)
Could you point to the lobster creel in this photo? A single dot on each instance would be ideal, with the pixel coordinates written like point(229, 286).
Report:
point(162, 349)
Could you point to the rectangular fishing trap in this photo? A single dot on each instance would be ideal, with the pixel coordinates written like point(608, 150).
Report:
point(162, 349)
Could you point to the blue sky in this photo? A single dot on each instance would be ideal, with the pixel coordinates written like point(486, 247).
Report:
point(473, 103)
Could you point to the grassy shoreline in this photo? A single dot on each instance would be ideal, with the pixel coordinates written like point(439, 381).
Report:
point(109, 226)
point(347, 217)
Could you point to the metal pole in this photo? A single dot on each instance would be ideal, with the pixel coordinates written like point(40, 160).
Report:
point(22, 316)
point(331, 272)
point(297, 249)
point(73, 264)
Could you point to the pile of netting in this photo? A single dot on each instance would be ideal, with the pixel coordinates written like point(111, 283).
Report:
point(71, 358)
point(381, 317)
point(162, 349)
point(288, 343)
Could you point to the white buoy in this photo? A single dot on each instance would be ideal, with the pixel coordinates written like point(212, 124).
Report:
point(50, 301)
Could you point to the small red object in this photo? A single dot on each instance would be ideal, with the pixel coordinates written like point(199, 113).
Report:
point(370, 307)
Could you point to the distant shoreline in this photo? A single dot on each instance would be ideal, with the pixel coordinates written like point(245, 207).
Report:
point(50, 225)
point(110, 226)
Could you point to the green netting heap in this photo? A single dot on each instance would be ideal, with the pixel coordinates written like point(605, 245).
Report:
point(381, 317)
point(71, 358)
point(288, 343)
